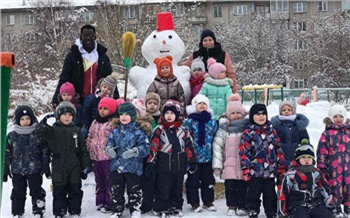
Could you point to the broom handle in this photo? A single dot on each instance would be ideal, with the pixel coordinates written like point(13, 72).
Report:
point(126, 83)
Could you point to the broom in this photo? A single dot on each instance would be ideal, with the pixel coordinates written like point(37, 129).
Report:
point(128, 43)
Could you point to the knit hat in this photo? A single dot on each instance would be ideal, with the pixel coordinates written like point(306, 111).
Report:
point(234, 97)
point(140, 106)
point(128, 108)
point(24, 110)
point(166, 61)
point(215, 68)
point(257, 109)
point(196, 64)
point(110, 81)
point(337, 109)
point(173, 105)
point(206, 33)
point(235, 106)
point(154, 96)
point(304, 149)
point(63, 107)
point(200, 98)
point(289, 103)
point(67, 87)
point(108, 103)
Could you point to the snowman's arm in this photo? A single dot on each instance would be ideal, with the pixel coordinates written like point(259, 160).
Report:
point(135, 75)
point(188, 62)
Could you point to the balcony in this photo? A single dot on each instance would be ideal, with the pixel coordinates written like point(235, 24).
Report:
point(198, 20)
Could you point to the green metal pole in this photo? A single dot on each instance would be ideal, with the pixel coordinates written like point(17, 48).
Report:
point(7, 63)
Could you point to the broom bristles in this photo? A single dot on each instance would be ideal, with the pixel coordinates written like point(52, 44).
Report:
point(128, 43)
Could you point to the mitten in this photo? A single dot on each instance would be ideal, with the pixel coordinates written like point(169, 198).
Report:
point(246, 174)
point(47, 171)
point(48, 116)
point(217, 172)
point(7, 173)
point(129, 153)
point(193, 167)
point(84, 173)
point(85, 131)
point(150, 169)
point(110, 151)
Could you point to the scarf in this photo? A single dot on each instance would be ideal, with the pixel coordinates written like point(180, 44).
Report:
point(174, 124)
point(196, 81)
point(24, 130)
point(102, 119)
point(202, 118)
point(305, 168)
point(291, 117)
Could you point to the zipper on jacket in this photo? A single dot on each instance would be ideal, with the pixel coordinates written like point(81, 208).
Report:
point(91, 80)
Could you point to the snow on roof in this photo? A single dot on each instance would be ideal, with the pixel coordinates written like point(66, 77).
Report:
point(22, 4)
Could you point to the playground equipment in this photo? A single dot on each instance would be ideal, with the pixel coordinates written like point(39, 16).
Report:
point(266, 89)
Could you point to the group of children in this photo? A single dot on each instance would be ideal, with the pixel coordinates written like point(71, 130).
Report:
point(148, 146)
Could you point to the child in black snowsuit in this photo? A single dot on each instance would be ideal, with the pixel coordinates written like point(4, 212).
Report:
point(305, 192)
point(171, 151)
point(70, 160)
point(27, 154)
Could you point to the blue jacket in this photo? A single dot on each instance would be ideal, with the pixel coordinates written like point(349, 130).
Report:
point(125, 137)
point(26, 153)
point(204, 153)
point(290, 132)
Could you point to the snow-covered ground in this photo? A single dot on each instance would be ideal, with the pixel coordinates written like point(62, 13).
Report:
point(314, 111)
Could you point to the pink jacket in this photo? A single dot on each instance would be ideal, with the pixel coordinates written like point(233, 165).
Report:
point(97, 140)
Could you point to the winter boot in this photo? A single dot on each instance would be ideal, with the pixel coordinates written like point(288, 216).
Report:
point(38, 215)
point(337, 212)
point(241, 212)
point(116, 215)
point(253, 214)
point(196, 208)
point(347, 211)
point(231, 211)
point(136, 214)
point(18, 216)
point(209, 206)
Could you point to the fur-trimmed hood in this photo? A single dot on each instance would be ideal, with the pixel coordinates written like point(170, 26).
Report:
point(140, 123)
point(301, 122)
point(330, 125)
point(235, 126)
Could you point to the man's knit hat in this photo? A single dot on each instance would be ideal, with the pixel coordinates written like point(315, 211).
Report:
point(140, 106)
point(257, 109)
point(67, 87)
point(215, 68)
point(206, 33)
point(154, 96)
point(109, 103)
point(338, 109)
point(197, 63)
point(63, 107)
point(110, 81)
point(128, 108)
point(290, 104)
point(304, 149)
point(166, 61)
point(234, 105)
point(173, 105)
point(200, 98)
point(24, 110)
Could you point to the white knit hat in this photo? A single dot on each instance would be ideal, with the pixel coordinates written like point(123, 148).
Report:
point(337, 109)
point(197, 63)
point(200, 98)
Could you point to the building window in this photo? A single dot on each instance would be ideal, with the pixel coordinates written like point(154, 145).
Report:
point(300, 26)
point(89, 16)
point(300, 45)
point(196, 30)
point(179, 10)
point(130, 12)
point(240, 10)
point(10, 20)
point(300, 65)
point(217, 11)
point(323, 6)
point(301, 83)
point(30, 37)
point(29, 19)
point(299, 7)
point(261, 10)
point(280, 6)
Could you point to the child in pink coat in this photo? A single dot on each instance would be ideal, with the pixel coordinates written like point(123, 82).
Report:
point(226, 159)
point(197, 76)
point(96, 142)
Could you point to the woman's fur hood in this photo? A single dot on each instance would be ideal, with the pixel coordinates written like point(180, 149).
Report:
point(144, 124)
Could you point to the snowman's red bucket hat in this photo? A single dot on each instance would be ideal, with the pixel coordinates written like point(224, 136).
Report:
point(165, 21)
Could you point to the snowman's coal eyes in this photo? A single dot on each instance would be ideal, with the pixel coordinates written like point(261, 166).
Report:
point(170, 36)
point(154, 36)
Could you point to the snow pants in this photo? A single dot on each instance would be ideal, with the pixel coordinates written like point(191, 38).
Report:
point(168, 191)
point(65, 197)
point(319, 211)
point(235, 191)
point(266, 187)
point(19, 193)
point(148, 186)
point(202, 179)
point(132, 183)
point(103, 183)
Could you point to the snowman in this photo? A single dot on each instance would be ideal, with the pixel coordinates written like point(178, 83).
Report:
point(161, 42)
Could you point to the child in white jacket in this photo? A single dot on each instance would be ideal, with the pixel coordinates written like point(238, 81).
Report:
point(226, 159)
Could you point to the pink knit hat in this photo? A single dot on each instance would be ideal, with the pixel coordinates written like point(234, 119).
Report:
point(108, 103)
point(234, 97)
point(215, 68)
point(140, 106)
point(67, 87)
point(235, 105)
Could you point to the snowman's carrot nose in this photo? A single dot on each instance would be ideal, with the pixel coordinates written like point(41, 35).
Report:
point(164, 42)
